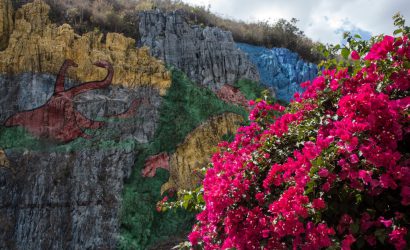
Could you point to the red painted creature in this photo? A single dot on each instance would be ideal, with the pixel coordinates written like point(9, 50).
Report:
point(57, 118)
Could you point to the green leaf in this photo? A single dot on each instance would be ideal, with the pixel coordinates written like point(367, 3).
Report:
point(309, 187)
point(398, 31)
point(358, 198)
point(360, 243)
point(200, 199)
point(185, 204)
point(358, 36)
point(345, 53)
point(355, 227)
point(380, 234)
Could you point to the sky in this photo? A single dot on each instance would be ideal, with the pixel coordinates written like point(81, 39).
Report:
point(321, 20)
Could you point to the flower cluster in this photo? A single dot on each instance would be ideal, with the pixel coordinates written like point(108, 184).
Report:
point(332, 170)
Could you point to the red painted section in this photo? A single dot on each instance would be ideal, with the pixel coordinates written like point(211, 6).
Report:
point(154, 162)
point(57, 118)
point(131, 111)
point(231, 94)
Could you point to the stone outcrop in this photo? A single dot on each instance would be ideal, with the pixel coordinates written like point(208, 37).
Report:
point(37, 45)
point(207, 55)
point(280, 69)
point(62, 200)
point(195, 152)
point(231, 94)
point(6, 22)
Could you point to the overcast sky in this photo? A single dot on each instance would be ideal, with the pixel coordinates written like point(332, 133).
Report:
point(321, 20)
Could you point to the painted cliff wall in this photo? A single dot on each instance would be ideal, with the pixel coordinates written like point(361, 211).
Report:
point(185, 108)
point(79, 115)
point(195, 152)
point(69, 131)
point(280, 69)
point(207, 55)
point(37, 45)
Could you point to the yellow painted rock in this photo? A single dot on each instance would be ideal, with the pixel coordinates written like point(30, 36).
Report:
point(195, 152)
point(6, 22)
point(37, 45)
point(4, 162)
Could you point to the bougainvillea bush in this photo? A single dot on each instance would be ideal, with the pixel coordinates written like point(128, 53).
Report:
point(330, 171)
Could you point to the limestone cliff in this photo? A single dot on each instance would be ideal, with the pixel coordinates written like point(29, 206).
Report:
point(6, 22)
point(280, 69)
point(207, 55)
point(67, 194)
point(37, 45)
point(195, 152)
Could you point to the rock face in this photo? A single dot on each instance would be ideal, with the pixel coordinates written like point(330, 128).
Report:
point(6, 22)
point(36, 45)
point(207, 55)
point(280, 69)
point(195, 152)
point(62, 200)
point(67, 194)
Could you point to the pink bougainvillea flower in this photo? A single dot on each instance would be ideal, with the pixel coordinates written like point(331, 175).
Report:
point(317, 174)
point(355, 55)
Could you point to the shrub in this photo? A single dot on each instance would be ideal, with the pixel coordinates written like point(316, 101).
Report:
point(332, 171)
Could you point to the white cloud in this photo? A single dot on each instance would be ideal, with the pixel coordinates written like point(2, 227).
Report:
point(320, 19)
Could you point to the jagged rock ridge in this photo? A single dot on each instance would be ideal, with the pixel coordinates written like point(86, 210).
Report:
point(280, 69)
point(207, 55)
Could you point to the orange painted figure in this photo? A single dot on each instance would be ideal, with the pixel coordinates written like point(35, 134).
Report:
point(57, 118)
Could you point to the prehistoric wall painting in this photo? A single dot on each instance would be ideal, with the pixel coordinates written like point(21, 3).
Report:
point(58, 119)
point(194, 153)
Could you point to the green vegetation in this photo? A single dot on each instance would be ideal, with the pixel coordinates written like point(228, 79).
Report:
point(122, 16)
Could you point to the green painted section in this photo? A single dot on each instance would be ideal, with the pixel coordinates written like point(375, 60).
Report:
point(250, 89)
point(185, 106)
point(18, 139)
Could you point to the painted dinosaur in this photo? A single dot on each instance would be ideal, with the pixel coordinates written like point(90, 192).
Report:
point(57, 118)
